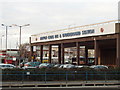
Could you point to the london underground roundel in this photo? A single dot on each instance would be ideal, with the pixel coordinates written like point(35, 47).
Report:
point(101, 29)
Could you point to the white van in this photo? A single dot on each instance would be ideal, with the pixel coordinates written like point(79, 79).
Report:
point(7, 66)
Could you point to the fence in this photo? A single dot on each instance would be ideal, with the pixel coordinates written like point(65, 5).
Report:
point(46, 76)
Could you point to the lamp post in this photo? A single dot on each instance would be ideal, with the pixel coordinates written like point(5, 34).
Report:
point(6, 32)
point(1, 41)
point(20, 26)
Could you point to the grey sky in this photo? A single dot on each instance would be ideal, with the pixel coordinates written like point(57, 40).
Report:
point(48, 15)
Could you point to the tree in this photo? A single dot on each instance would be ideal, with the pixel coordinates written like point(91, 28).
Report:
point(25, 51)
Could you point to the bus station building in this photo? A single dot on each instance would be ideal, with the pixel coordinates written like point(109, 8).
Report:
point(103, 37)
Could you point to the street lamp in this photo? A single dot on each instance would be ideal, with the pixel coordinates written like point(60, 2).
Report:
point(6, 32)
point(1, 41)
point(20, 26)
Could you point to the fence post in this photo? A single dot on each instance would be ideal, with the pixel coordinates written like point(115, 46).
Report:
point(86, 76)
point(22, 77)
point(45, 76)
point(66, 78)
point(105, 77)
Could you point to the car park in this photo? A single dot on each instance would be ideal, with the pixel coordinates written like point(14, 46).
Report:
point(7, 66)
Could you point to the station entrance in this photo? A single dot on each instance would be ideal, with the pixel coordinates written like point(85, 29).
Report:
point(106, 47)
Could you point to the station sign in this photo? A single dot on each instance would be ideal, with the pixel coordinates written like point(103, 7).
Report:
point(95, 30)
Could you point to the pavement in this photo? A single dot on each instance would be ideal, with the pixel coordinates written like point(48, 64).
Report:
point(67, 88)
point(60, 82)
point(33, 85)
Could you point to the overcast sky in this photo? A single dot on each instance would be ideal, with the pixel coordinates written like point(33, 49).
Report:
point(48, 15)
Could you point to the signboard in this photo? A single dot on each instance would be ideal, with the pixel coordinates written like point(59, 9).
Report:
point(96, 30)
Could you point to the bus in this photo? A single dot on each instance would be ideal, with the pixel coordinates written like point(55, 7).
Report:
point(10, 60)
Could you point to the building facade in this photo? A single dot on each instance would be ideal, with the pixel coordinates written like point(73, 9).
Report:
point(103, 37)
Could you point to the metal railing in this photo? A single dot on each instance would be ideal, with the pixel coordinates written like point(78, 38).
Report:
point(61, 76)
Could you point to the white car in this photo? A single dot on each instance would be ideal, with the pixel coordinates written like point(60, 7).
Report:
point(99, 67)
point(68, 66)
point(47, 65)
point(28, 67)
point(81, 66)
point(7, 66)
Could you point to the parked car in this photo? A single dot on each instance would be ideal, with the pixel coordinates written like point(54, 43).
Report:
point(57, 65)
point(22, 64)
point(81, 66)
point(46, 65)
point(99, 67)
point(61, 66)
point(68, 66)
point(7, 66)
point(30, 65)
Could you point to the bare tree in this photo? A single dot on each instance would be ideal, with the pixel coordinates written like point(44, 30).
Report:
point(25, 50)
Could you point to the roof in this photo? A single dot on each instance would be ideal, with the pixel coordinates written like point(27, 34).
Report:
point(106, 22)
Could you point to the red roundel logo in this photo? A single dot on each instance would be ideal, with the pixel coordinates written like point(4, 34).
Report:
point(36, 39)
point(102, 30)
